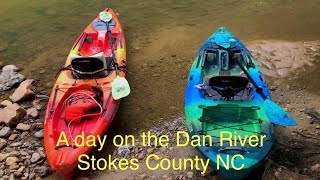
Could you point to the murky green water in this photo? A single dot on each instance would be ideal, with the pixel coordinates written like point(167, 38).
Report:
point(162, 39)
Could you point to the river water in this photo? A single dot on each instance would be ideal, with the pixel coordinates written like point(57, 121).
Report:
point(162, 40)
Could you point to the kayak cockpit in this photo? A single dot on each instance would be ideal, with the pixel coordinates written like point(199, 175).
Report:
point(227, 88)
point(89, 67)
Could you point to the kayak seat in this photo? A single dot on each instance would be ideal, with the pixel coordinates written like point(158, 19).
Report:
point(226, 86)
point(88, 67)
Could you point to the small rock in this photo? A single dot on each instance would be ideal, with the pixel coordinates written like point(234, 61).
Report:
point(11, 160)
point(273, 88)
point(23, 127)
point(12, 114)
point(190, 174)
point(8, 149)
point(37, 126)
point(316, 168)
point(162, 149)
point(10, 68)
point(150, 150)
point(39, 134)
point(317, 126)
point(13, 137)
point(140, 156)
point(4, 156)
point(3, 143)
point(143, 176)
point(5, 103)
point(35, 157)
point(42, 71)
point(14, 167)
point(11, 177)
point(42, 171)
point(16, 144)
point(33, 112)
point(24, 91)
point(5, 132)
point(123, 150)
point(21, 169)
point(23, 134)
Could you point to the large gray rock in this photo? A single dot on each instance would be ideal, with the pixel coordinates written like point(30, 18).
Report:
point(12, 114)
point(24, 91)
point(9, 77)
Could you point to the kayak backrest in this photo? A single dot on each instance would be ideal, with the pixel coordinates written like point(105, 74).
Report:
point(88, 65)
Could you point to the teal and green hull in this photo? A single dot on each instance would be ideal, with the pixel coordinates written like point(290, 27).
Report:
point(210, 114)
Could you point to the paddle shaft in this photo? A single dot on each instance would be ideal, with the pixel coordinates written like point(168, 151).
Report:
point(258, 89)
point(111, 46)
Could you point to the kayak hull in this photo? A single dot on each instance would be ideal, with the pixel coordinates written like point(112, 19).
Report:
point(79, 106)
point(209, 113)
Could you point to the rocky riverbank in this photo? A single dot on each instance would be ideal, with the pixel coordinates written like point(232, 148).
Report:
point(22, 153)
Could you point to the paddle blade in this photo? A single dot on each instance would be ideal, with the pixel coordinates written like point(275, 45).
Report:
point(105, 16)
point(120, 88)
point(277, 115)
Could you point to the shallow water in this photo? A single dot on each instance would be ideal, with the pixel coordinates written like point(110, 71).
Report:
point(162, 40)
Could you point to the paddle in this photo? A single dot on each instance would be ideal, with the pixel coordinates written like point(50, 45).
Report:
point(273, 111)
point(120, 86)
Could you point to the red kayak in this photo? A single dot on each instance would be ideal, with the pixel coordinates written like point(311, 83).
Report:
point(82, 99)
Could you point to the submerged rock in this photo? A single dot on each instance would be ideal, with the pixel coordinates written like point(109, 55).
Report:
point(12, 114)
point(24, 91)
